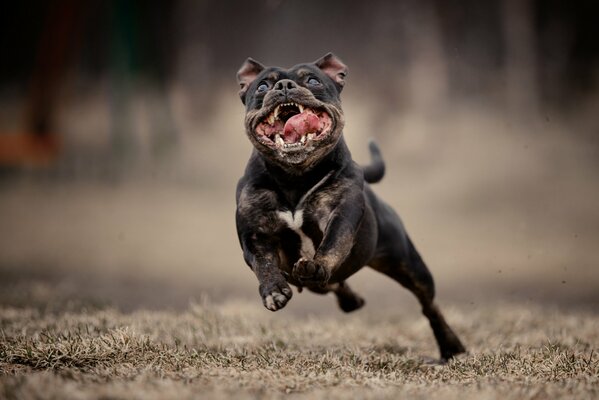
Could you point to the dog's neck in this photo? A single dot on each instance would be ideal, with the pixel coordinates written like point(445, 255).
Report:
point(298, 181)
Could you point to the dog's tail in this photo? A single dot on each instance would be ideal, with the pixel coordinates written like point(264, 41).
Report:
point(375, 171)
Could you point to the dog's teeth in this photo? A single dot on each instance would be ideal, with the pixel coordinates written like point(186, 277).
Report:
point(311, 136)
point(276, 112)
point(271, 119)
point(303, 139)
point(301, 108)
point(279, 140)
point(291, 145)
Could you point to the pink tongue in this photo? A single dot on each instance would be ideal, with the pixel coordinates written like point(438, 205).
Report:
point(299, 125)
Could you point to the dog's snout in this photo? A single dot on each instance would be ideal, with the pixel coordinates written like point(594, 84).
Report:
point(285, 84)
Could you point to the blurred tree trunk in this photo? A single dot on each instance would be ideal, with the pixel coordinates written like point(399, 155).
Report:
point(520, 57)
point(428, 69)
point(389, 59)
point(408, 41)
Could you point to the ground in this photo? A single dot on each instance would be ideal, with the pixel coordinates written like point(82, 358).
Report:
point(238, 349)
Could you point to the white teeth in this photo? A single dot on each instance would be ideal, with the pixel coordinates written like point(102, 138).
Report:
point(279, 140)
point(271, 119)
point(303, 139)
point(311, 136)
point(275, 113)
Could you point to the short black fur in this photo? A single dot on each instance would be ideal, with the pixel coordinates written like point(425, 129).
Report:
point(311, 219)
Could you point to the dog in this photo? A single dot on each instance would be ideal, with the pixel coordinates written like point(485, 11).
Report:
point(306, 214)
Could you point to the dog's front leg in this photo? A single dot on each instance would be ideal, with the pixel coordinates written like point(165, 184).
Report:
point(263, 259)
point(337, 241)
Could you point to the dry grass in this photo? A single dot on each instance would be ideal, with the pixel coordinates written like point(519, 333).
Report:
point(242, 351)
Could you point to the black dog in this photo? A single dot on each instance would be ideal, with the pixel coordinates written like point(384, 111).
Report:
point(305, 212)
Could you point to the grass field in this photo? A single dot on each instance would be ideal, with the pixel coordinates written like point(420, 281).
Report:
point(237, 349)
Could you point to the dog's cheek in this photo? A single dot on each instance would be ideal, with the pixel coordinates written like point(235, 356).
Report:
point(332, 94)
point(250, 103)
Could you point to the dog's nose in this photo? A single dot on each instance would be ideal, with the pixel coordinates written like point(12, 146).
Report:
point(285, 84)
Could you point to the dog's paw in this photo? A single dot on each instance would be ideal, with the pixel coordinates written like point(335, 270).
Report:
point(275, 294)
point(309, 273)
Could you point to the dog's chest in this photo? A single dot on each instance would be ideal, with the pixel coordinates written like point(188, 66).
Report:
point(309, 218)
point(294, 220)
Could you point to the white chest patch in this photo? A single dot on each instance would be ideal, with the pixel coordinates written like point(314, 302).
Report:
point(294, 221)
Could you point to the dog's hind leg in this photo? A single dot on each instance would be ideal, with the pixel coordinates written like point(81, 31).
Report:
point(347, 299)
point(407, 268)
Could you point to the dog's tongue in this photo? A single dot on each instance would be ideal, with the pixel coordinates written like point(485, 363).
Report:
point(300, 125)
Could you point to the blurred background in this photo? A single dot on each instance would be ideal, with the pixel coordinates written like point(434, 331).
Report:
point(121, 142)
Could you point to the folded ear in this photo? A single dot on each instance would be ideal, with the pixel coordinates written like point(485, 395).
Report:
point(333, 67)
point(246, 75)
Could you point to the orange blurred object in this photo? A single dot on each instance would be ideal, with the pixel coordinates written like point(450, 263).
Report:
point(28, 149)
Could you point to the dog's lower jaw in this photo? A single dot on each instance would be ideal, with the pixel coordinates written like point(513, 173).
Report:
point(299, 162)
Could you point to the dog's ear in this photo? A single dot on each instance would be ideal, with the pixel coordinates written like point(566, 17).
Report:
point(333, 67)
point(246, 75)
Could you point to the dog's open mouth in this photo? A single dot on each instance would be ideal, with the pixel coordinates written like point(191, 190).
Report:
point(293, 126)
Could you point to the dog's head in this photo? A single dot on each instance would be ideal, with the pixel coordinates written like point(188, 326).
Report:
point(293, 117)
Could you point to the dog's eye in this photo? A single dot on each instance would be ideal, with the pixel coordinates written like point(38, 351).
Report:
point(313, 82)
point(263, 87)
